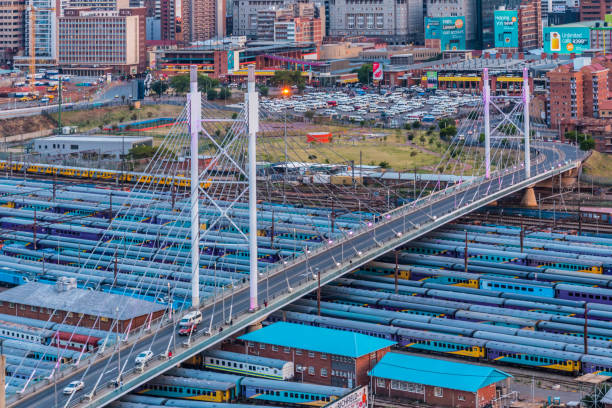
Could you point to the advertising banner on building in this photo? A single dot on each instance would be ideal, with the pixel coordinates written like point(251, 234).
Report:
point(506, 28)
point(449, 30)
point(566, 40)
point(432, 79)
point(377, 71)
point(356, 399)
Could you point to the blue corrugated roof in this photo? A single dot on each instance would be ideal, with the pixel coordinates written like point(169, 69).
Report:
point(437, 373)
point(323, 340)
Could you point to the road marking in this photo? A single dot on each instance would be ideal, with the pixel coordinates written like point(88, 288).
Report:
point(111, 370)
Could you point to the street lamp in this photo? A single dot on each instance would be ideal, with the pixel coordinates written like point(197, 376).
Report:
point(286, 92)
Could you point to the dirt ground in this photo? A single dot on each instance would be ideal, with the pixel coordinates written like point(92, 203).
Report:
point(18, 126)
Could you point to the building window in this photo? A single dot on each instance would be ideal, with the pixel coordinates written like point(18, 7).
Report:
point(274, 348)
point(311, 370)
point(262, 346)
point(323, 356)
point(286, 350)
point(311, 354)
point(380, 382)
point(461, 398)
point(74, 147)
point(12, 305)
point(22, 307)
point(250, 344)
point(438, 392)
point(34, 308)
point(324, 372)
point(298, 352)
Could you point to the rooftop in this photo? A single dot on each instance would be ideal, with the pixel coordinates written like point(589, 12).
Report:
point(323, 340)
point(100, 138)
point(78, 300)
point(437, 373)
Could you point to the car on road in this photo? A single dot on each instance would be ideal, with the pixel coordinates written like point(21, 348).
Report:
point(144, 357)
point(189, 330)
point(116, 96)
point(74, 387)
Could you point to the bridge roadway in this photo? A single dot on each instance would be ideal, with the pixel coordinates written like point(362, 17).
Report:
point(286, 283)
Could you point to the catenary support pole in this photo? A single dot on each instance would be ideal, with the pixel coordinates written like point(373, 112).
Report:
point(252, 103)
point(486, 93)
point(526, 122)
point(195, 124)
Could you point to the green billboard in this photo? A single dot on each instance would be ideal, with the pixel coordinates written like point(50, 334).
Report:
point(432, 79)
point(506, 28)
point(449, 30)
point(566, 40)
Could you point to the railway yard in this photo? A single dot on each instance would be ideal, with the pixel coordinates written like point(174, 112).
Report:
point(536, 302)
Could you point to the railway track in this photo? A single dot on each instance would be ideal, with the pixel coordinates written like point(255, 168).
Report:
point(541, 223)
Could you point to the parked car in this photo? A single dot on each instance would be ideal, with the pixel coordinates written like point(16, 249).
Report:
point(74, 387)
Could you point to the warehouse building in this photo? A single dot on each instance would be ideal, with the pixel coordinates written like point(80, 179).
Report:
point(435, 382)
point(108, 147)
point(321, 356)
point(65, 303)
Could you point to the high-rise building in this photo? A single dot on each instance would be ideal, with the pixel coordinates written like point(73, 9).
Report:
point(244, 15)
point(203, 19)
point(297, 22)
point(92, 41)
point(45, 28)
point(458, 8)
point(394, 21)
point(577, 91)
point(594, 9)
point(12, 13)
point(530, 25)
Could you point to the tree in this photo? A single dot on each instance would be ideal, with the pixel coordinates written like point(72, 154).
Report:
point(234, 115)
point(594, 400)
point(180, 83)
point(364, 73)
point(309, 114)
point(205, 83)
point(481, 138)
point(225, 93)
point(416, 124)
point(407, 126)
point(448, 132)
point(384, 164)
point(211, 94)
point(288, 78)
point(263, 90)
point(586, 142)
point(159, 87)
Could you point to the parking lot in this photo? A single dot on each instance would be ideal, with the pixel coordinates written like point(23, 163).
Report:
point(391, 109)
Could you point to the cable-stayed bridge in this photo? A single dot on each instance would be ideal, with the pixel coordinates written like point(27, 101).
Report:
point(225, 195)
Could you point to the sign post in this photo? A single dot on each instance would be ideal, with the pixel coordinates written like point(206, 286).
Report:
point(356, 399)
point(377, 71)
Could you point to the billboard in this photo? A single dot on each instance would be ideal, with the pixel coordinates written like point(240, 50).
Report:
point(566, 40)
point(449, 30)
point(377, 71)
point(432, 79)
point(356, 399)
point(506, 28)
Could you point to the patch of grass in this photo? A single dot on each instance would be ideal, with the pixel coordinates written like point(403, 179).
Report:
point(100, 117)
point(599, 165)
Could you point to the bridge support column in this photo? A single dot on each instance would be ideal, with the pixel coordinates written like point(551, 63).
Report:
point(195, 125)
point(486, 94)
point(252, 103)
point(529, 198)
point(526, 130)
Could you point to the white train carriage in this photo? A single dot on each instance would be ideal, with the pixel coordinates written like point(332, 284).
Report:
point(243, 364)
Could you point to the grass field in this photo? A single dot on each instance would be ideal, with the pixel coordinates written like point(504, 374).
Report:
point(599, 165)
point(99, 117)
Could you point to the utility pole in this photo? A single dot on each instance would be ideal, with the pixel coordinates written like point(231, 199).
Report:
point(522, 235)
point(110, 209)
point(318, 292)
point(59, 106)
point(272, 232)
point(115, 269)
point(465, 253)
point(526, 122)
point(34, 231)
point(579, 218)
point(586, 328)
point(396, 270)
point(487, 123)
point(252, 103)
point(195, 125)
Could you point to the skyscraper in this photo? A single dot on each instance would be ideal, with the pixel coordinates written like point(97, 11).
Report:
point(203, 19)
point(12, 26)
point(595, 9)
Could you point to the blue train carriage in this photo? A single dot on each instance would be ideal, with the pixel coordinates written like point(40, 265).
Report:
point(516, 354)
point(433, 342)
point(509, 285)
point(290, 392)
point(584, 293)
point(189, 388)
point(243, 364)
point(596, 364)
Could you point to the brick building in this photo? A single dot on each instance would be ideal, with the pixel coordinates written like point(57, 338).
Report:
point(530, 25)
point(437, 383)
point(203, 20)
point(320, 355)
point(12, 24)
point(65, 303)
point(565, 95)
point(595, 84)
point(594, 9)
